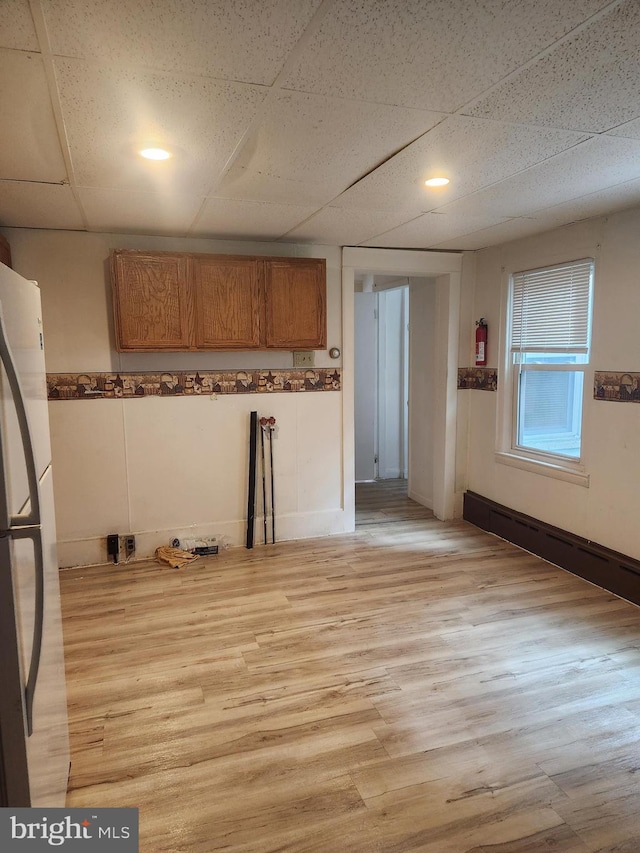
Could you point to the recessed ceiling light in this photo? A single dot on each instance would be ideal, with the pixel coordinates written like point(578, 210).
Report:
point(155, 154)
point(437, 182)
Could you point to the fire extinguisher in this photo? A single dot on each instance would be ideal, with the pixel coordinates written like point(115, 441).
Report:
point(481, 342)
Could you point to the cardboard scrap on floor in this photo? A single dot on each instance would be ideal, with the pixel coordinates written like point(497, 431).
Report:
point(174, 557)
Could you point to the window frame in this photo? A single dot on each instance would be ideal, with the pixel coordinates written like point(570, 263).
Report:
point(508, 451)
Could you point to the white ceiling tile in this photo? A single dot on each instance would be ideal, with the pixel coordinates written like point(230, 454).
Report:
point(310, 147)
point(472, 153)
point(604, 201)
point(595, 165)
point(143, 213)
point(29, 144)
point(512, 229)
point(249, 184)
point(335, 226)
point(229, 39)
point(248, 220)
point(16, 26)
point(630, 129)
point(433, 55)
point(429, 229)
point(374, 76)
point(110, 113)
point(590, 82)
point(26, 205)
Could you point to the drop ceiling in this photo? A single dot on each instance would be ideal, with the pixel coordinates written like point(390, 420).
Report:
point(319, 120)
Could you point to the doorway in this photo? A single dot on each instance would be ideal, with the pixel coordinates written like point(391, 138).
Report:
point(394, 376)
point(444, 269)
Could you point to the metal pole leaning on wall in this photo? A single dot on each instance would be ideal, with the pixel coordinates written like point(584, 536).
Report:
point(272, 426)
point(263, 429)
point(251, 491)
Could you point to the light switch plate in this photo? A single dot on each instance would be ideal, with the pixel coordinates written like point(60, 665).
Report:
point(304, 359)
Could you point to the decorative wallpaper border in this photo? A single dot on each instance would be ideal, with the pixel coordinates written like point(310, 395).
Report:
point(90, 386)
point(613, 386)
point(616, 387)
point(479, 378)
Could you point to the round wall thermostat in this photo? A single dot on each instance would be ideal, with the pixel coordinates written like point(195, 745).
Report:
point(334, 352)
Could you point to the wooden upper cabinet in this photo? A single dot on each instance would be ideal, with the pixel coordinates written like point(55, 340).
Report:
point(228, 303)
point(172, 301)
point(153, 307)
point(295, 298)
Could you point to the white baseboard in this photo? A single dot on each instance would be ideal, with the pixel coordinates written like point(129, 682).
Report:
point(421, 499)
point(92, 551)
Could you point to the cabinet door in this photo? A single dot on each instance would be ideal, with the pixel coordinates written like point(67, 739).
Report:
point(227, 295)
point(296, 296)
point(152, 302)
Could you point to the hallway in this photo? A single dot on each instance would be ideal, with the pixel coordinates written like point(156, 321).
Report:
point(386, 501)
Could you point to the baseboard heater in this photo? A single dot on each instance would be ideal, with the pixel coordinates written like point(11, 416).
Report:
point(596, 563)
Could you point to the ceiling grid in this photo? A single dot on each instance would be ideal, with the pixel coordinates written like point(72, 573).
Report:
point(319, 120)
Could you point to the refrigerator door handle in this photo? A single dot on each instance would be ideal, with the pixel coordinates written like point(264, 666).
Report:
point(6, 357)
point(34, 532)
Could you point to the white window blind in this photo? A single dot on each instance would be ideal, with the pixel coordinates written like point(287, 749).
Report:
point(550, 309)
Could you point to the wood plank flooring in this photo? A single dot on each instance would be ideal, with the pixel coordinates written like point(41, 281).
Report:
point(416, 686)
point(384, 501)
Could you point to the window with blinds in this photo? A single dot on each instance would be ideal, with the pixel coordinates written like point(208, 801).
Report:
point(551, 308)
point(550, 333)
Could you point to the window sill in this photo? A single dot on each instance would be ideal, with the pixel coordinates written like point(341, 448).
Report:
point(569, 473)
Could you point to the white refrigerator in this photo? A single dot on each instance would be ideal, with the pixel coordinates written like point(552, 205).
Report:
point(34, 741)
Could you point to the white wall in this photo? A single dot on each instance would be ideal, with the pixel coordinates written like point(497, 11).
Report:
point(466, 356)
point(381, 369)
point(392, 414)
point(607, 511)
point(365, 362)
point(156, 467)
point(422, 296)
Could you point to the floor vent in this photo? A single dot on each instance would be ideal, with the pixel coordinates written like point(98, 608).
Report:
point(596, 563)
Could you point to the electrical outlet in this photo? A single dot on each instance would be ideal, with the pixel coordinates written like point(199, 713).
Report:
point(129, 545)
point(113, 546)
point(304, 358)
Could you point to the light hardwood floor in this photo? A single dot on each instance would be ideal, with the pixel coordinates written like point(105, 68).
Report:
point(416, 686)
point(386, 501)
